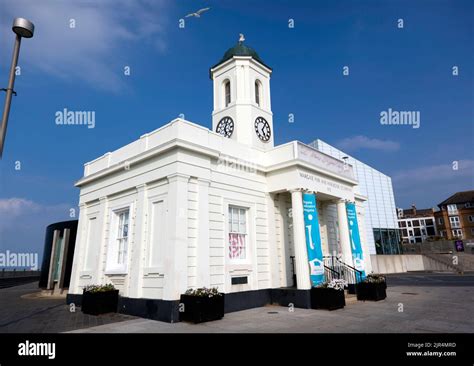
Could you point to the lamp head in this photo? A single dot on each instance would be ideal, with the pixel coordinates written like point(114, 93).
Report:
point(23, 27)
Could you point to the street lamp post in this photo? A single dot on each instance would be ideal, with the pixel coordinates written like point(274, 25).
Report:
point(23, 29)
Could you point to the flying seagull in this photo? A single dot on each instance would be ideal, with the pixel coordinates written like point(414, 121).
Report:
point(198, 13)
point(241, 38)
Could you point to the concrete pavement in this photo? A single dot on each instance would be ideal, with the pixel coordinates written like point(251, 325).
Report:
point(416, 303)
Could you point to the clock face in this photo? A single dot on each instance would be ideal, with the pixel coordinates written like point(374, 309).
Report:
point(225, 127)
point(262, 129)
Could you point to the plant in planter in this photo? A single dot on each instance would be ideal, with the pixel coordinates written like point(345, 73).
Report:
point(373, 288)
point(201, 305)
point(99, 299)
point(329, 295)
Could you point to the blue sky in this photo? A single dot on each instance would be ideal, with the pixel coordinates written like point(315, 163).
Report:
point(81, 68)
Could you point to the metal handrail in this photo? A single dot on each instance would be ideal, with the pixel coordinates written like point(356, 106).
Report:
point(347, 272)
point(330, 273)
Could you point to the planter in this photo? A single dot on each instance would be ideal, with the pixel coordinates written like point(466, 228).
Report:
point(95, 303)
point(327, 298)
point(199, 309)
point(371, 291)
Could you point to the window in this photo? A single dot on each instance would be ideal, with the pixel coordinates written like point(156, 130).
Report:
point(472, 231)
point(457, 233)
point(440, 221)
point(428, 222)
point(468, 204)
point(471, 218)
point(452, 209)
point(257, 92)
point(430, 230)
point(118, 244)
point(404, 232)
point(237, 233)
point(122, 237)
point(227, 92)
point(454, 221)
point(409, 223)
point(403, 224)
point(416, 223)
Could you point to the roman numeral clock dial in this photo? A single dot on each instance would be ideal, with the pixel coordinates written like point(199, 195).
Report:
point(225, 127)
point(262, 129)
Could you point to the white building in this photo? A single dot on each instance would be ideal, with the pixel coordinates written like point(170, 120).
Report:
point(381, 225)
point(185, 207)
point(416, 225)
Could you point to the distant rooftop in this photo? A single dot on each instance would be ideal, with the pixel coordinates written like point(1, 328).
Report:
point(459, 197)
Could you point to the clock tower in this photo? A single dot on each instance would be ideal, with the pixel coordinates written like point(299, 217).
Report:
point(242, 104)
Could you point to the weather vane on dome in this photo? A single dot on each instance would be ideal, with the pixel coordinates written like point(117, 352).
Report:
point(241, 38)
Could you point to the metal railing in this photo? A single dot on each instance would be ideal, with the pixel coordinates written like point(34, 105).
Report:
point(341, 270)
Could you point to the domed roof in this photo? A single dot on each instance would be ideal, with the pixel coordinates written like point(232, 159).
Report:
point(241, 50)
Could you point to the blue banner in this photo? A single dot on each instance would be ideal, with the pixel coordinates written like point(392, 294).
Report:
point(354, 235)
point(313, 239)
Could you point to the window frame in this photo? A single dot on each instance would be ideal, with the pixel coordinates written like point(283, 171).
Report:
point(258, 93)
point(112, 264)
point(227, 93)
point(457, 231)
point(452, 209)
point(246, 234)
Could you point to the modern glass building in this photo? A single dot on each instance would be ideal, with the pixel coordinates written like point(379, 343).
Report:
point(382, 232)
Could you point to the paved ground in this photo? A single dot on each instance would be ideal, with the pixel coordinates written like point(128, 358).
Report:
point(23, 314)
point(415, 303)
point(421, 303)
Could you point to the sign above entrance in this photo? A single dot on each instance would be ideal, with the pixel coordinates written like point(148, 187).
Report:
point(313, 239)
point(324, 161)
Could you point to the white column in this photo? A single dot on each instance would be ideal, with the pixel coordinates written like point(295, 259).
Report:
point(137, 247)
point(301, 255)
point(102, 223)
point(285, 265)
point(203, 252)
point(323, 228)
point(176, 251)
point(272, 243)
point(344, 232)
point(78, 259)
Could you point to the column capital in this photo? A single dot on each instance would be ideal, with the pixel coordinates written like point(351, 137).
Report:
point(203, 181)
point(178, 177)
point(141, 187)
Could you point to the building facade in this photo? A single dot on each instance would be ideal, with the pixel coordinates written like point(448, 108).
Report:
point(455, 218)
point(417, 225)
point(184, 206)
point(381, 227)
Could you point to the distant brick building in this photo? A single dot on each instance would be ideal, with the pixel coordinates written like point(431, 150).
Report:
point(416, 225)
point(455, 220)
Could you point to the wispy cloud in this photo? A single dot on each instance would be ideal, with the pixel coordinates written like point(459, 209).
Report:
point(435, 173)
point(90, 51)
point(363, 142)
point(429, 185)
point(23, 223)
point(13, 207)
